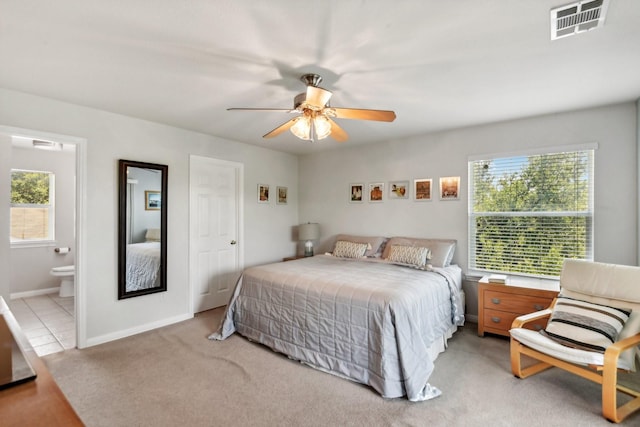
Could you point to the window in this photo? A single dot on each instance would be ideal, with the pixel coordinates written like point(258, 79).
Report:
point(528, 213)
point(32, 208)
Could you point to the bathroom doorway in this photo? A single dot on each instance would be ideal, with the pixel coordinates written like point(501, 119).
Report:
point(44, 236)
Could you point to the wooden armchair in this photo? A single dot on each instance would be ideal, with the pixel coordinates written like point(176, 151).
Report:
point(581, 282)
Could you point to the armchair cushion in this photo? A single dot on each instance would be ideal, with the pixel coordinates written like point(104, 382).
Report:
point(537, 341)
point(585, 325)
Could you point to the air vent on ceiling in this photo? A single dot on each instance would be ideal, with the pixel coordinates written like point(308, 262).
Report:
point(577, 17)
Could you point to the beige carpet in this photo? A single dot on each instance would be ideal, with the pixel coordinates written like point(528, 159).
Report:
point(175, 376)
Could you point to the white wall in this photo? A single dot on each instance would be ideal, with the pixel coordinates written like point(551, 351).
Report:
point(325, 177)
point(30, 266)
point(267, 227)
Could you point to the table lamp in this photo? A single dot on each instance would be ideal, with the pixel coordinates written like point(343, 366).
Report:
point(307, 233)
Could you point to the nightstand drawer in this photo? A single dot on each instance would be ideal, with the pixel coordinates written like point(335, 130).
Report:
point(519, 304)
point(502, 320)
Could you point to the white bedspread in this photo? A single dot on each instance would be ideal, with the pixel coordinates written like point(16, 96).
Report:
point(372, 322)
point(143, 265)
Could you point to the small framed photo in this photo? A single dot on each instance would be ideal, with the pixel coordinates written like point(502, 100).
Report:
point(282, 195)
point(449, 188)
point(263, 193)
point(422, 189)
point(356, 192)
point(152, 200)
point(376, 191)
point(399, 190)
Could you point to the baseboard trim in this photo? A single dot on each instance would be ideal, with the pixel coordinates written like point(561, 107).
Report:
point(38, 292)
point(137, 330)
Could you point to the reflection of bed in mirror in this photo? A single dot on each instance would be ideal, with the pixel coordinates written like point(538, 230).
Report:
point(143, 262)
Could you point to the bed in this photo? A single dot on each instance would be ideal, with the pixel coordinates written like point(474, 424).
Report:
point(143, 265)
point(378, 315)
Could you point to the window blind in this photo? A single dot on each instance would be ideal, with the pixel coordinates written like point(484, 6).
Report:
point(527, 213)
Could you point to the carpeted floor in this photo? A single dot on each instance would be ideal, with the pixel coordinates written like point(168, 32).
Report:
point(175, 376)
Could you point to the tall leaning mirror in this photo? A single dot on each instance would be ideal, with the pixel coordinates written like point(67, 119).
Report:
point(142, 228)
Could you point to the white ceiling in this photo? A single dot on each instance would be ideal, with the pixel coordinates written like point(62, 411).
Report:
point(437, 64)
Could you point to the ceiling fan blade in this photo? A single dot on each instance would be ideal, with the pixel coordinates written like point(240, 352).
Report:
point(317, 97)
point(283, 110)
point(282, 128)
point(358, 114)
point(337, 132)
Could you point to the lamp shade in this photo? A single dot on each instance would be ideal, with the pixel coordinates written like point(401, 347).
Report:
point(308, 231)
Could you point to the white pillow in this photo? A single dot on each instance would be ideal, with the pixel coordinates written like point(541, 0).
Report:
point(375, 243)
point(346, 249)
point(442, 250)
point(415, 256)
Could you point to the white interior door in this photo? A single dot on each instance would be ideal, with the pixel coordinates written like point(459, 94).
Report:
point(215, 224)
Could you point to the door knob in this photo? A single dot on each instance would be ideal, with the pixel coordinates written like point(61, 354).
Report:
point(233, 242)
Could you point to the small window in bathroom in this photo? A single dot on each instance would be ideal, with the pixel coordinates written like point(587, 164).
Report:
point(32, 208)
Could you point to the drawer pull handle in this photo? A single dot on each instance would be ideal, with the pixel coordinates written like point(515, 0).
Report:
point(495, 300)
point(495, 319)
point(538, 307)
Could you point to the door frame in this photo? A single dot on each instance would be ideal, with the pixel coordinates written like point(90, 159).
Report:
point(239, 171)
point(80, 222)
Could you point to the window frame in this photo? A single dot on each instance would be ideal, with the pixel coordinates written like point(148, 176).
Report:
point(50, 240)
point(472, 215)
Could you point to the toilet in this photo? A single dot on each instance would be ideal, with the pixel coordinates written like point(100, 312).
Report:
point(66, 274)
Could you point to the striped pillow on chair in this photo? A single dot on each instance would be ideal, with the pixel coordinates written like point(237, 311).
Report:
point(585, 325)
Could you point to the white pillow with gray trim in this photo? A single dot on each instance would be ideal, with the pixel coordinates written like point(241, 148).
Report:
point(415, 256)
point(346, 249)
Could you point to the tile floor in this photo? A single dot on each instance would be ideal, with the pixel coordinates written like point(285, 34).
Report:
point(47, 321)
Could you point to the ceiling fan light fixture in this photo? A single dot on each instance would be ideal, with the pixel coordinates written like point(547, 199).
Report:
point(302, 128)
point(322, 126)
point(311, 127)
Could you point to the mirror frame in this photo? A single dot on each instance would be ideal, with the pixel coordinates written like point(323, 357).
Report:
point(122, 228)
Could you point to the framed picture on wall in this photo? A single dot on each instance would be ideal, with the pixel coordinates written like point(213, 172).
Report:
point(399, 190)
point(356, 192)
point(450, 188)
point(263, 193)
point(376, 192)
point(152, 200)
point(422, 189)
point(282, 195)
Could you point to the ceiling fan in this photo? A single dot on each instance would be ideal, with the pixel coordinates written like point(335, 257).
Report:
point(315, 117)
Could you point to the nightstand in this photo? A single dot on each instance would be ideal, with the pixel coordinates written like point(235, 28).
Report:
point(291, 258)
point(499, 304)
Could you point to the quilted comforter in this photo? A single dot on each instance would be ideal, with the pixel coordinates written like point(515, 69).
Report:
point(372, 322)
point(143, 265)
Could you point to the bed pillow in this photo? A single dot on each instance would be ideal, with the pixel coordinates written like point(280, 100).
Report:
point(346, 249)
point(442, 250)
point(152, 235)
point(375, 242)
point(585, 325)
point(415, 256)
